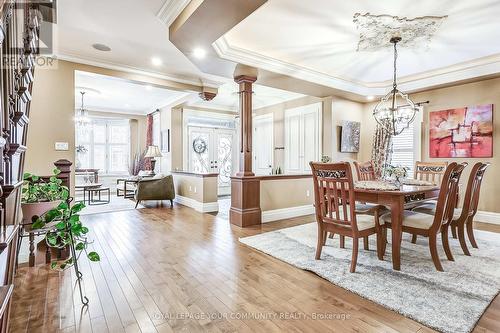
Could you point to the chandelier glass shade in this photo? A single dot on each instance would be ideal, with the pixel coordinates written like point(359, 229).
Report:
point(82, 119)
point(395, 111)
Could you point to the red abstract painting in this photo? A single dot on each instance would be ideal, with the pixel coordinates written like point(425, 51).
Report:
point(464, 132)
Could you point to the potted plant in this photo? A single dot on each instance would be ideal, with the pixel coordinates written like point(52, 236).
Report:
point(39, 196)
point(64, 229)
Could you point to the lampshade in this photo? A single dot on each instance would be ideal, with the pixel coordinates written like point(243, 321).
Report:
point(153, 151)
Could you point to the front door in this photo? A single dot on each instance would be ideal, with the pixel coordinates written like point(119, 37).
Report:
point(210, 151)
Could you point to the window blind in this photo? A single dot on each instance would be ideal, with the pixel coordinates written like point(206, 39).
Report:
point(403, 149)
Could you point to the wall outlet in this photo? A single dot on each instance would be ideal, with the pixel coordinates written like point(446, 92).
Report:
point(308, 193)
point(61, 146)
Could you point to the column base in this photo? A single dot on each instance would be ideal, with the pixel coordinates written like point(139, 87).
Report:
point(245, 202)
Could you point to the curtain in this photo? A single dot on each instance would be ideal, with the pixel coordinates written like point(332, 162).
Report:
point(149, 139)
point(381, 150)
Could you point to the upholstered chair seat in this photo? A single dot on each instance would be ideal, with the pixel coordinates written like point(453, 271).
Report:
point(364, 221)
point(412, 219)
point(430, 209)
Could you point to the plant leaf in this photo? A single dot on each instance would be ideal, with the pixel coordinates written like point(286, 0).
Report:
point(77, 207)
point(93, 256)
point(61, 225)
point(80, 246)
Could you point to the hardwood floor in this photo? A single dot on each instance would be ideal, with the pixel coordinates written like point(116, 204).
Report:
point(161, 268)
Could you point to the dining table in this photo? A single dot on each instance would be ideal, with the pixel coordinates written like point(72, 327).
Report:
point(396, 200)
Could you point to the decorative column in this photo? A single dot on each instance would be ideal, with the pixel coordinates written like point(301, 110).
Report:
point(245, 187)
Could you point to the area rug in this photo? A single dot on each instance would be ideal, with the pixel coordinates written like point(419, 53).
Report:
point(116, 204)
point(450, 301)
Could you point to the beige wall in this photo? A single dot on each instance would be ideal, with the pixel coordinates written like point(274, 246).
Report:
point(483, 92)
point(344, 110)
point(278, 111)
point(285, 193)
point(52, 112)
point(334, 111)
point(201, 189)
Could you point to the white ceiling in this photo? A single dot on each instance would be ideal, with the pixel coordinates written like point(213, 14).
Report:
point(111, 94)
point(227, 97)
point(129, 27)
point(318, 42)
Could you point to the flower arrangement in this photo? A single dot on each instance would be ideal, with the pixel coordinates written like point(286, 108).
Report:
point(396, 172)
point(325, 159)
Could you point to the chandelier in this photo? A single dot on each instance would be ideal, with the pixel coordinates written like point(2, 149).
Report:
point(82, 120)
point(395, 111)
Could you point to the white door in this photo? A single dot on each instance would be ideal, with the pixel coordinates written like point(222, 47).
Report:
point(211, 151)
point(302, 138)
point(263, 144)
point(224, 158)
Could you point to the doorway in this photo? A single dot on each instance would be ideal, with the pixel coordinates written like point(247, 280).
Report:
point(211, 150)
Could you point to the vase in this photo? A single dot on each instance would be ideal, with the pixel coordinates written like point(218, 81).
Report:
point(37, 208)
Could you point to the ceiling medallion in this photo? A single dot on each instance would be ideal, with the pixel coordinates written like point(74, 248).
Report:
point(376, 30)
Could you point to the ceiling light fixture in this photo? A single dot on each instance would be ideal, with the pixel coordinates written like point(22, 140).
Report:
point(395, 111)
point(148, 87)
point(370, 98)
point(156, 61)
point(82, 120)
point(199, 53)
point(101, 47)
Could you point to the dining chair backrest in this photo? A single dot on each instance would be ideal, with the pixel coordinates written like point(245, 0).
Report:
point(447, 200)
point(365, 171)
point(430, 171)
point(333, 191)
point(471, 199)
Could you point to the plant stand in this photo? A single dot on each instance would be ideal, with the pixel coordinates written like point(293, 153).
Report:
point(83, 298)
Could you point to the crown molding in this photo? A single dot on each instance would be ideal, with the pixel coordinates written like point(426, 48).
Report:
point(477, 68)
point(135, 70)
point(170, 10)
point(239, 55)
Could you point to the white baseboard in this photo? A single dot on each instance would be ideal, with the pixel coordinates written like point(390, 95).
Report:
point(202, 207)
point(487, 217)
point(286, 213)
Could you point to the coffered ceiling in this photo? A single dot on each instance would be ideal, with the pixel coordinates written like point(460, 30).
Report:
point(318, 41)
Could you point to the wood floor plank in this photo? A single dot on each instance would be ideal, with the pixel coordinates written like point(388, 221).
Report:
point(177, 270)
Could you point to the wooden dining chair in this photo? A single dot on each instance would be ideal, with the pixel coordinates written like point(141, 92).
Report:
point(430, 171)
point(463, 218)
point(365, 171)
point(430, 226)
point(333, 191)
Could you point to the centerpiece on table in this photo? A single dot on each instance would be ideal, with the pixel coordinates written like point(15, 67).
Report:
point(396, 173)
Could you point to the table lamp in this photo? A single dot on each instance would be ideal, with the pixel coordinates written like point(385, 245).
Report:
point(152, 152)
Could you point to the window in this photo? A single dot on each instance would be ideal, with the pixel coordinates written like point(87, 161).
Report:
point(107, 146)
point(406, 146)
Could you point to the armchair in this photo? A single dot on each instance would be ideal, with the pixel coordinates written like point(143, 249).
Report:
point(156, 188)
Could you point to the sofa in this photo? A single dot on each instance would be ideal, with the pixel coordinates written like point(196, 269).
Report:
point(159, 187)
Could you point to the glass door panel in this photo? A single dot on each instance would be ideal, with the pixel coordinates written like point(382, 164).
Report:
point(199, 150)
point(224, 158)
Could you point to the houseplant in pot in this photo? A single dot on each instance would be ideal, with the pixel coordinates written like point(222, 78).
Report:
point(64, 229)
point(39, 196)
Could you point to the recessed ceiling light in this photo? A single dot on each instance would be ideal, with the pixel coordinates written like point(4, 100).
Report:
point(370, 98)
point(156, 61)
point(101, 47)
point(148, 87)
point(127, 105)
point(199, 53)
